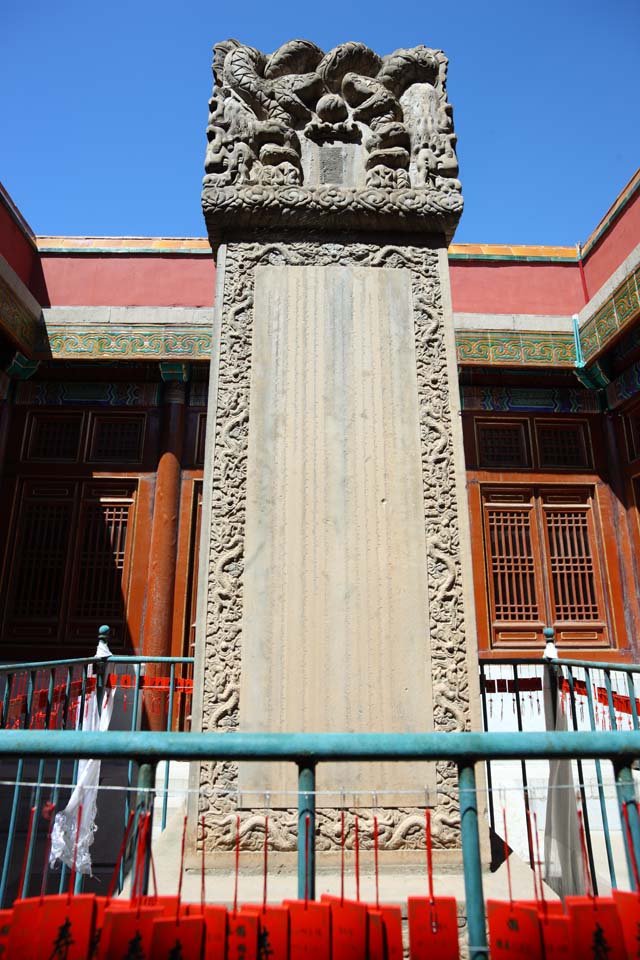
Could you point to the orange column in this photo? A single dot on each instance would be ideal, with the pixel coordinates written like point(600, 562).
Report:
point(158, 619)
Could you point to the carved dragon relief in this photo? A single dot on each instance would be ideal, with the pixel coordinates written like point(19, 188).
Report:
point(394, 108)
point(400, 827)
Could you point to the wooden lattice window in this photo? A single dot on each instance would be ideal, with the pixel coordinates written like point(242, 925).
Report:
point(571, 564)
point(67, 562)
point(512, 561)
point(41, 557)
point(102, 541)
point(543, 565)
point(502, 445)
point(53, 437)
point(117, 439)
point(562, 445)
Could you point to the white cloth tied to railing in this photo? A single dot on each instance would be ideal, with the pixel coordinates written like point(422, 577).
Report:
point(85, 794)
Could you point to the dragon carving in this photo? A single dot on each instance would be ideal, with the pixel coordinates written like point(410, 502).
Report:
point(263, 107)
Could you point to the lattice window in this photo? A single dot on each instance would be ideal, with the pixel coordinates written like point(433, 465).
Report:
point(512, 563)
point(502, 445)
point(562, 445)
point(571, 565)
point(41, 557)
point(54, 437)
point(117, 439)
point(68, 561)
point(542, 565)
point(101, 560)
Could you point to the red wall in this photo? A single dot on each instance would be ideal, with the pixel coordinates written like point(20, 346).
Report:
point(15, 248)
point(613, 247)
point(127, 281)
point(189, 281)
point(505, 287)
point(478, 286)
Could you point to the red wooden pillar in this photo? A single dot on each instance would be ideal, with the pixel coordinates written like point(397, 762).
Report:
point(158, 619)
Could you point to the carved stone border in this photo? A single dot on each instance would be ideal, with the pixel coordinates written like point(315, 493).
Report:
point(401, 827)
point(254, 205)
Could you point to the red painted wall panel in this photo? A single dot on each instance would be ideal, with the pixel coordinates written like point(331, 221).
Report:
point(128, 281)
point(477, 286)
point(616, 244)
point(15, 248)
point(504, 287)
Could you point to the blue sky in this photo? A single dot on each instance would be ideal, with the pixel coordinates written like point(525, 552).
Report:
point(104, 105)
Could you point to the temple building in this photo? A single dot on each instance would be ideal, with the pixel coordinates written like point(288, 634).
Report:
point(334, 456)
point(105, 345)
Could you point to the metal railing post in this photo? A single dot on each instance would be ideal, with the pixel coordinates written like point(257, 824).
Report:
point(583, 792)
point(472, 863)
point(306, 809)
point(144, 804)
point(165, 785)
point(100, 662)
point(627, 797)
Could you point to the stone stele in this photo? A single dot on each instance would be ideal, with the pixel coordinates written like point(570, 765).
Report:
point(334, 543)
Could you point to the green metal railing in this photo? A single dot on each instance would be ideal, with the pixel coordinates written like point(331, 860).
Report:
point(50, 696)
point(610, 692)
point(464, 750)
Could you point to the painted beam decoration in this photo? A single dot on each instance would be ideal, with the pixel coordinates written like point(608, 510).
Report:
point(620, 310)
point(506, 348)
point(528, 400)
point(94, 342)
point(93, 393)
point(337, 140)
point(626, 386)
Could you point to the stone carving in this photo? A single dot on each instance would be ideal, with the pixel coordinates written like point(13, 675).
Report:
point(267, 110)
point(402, 827)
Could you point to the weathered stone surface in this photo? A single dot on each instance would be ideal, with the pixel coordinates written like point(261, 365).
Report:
point(224, 559)
point(334, 539)
point(343, 140)
point(334, 551)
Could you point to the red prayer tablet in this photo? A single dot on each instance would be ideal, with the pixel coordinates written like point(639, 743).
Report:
point(5, 929)
point(177, 937)
point(554, 928)
point(52, 926)
point(628, 905)
point(127, 932)
point(392, 917)
point(513, 929)
point(595, 927)
point(242, 936)
point(215, 927)
point(273, 931)
point(375, 935)
point(348, 930)
point(433, 928)
point(309, 930)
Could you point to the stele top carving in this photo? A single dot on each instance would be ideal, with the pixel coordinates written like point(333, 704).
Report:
point(344, 140)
